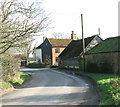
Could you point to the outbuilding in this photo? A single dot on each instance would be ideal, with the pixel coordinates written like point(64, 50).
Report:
point(105, 57)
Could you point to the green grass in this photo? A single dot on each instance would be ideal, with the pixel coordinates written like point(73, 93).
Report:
point(24, 77)
point(108, 92)
point(5, 85)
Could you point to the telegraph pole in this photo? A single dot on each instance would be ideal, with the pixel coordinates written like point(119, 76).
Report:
point(83, 43)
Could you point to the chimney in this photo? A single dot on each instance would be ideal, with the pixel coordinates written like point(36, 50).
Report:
point(73, 35)
point(99, 31)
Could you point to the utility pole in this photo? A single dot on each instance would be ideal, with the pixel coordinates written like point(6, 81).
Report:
point(83, 43)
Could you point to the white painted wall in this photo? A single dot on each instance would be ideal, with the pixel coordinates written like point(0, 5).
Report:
point(39, 55)
point(93, 43)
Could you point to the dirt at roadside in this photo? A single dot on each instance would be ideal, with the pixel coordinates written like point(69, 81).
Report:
point(92, 96)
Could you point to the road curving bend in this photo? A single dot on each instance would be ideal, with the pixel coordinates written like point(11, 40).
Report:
point(52, 87)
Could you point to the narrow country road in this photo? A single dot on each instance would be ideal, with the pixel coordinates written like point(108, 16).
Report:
point(50, 87)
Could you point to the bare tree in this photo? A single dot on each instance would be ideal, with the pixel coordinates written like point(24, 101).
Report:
point(19, 21)
point(59, 35)
point(26, 49)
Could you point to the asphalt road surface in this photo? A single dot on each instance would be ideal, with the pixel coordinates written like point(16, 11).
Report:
point(51, 87)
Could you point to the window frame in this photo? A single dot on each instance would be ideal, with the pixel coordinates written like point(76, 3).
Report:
point(57, 50)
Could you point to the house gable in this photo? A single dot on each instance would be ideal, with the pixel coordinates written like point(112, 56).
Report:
point(40, 46)
point(95, 41)
point(46, 51)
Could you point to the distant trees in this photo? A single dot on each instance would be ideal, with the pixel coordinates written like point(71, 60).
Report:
point(59, 35)
point(19, 21)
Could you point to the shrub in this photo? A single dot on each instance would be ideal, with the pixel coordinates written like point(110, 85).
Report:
point(10, 67)
point(116, 92)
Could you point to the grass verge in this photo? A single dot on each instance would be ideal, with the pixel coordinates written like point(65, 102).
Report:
point(5, 85)
point(108, 87)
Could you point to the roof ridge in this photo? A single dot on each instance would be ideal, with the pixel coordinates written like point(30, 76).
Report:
point(113, 37)
point(59, 38)
point(59, 42)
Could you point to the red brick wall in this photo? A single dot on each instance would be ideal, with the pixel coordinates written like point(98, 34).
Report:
point(54, 55)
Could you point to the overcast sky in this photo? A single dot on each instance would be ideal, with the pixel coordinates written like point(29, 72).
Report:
point(66, 16)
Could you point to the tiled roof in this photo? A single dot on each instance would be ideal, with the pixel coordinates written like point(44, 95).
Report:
point(75, 48)
point(59, 42)
point(108, 45)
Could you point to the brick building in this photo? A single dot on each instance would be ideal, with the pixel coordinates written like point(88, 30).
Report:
point(50, 49)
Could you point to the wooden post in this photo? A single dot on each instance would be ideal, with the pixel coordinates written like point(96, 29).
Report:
point(83, 43)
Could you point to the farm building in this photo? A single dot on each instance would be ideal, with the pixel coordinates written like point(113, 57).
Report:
point(70, 57)
point(105, 57)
